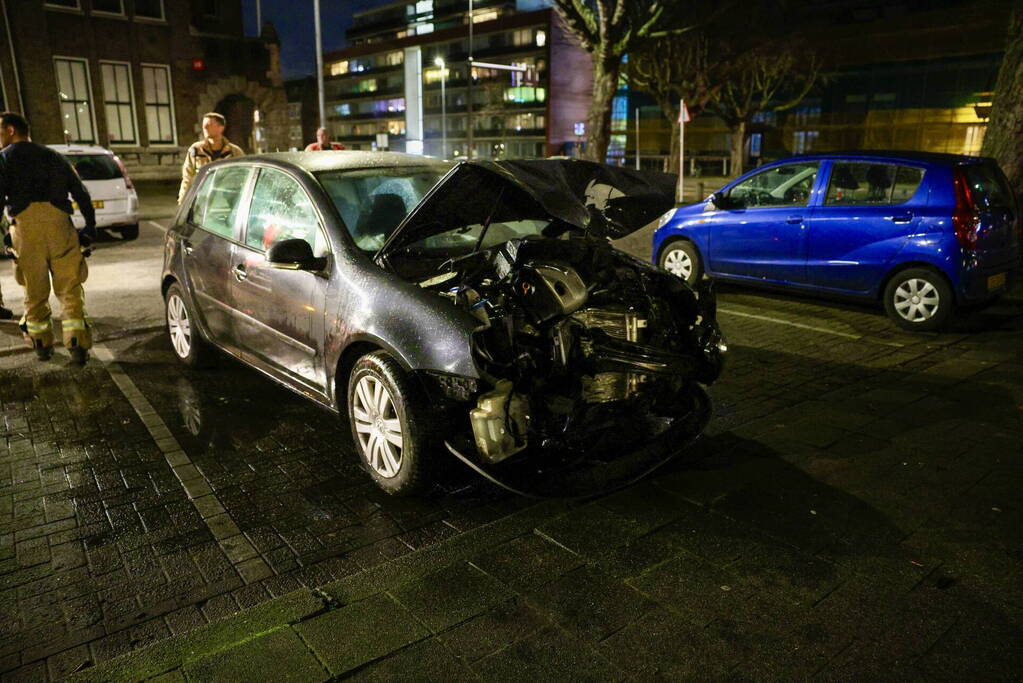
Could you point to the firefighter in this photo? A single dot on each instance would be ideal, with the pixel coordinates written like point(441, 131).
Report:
point(213, 147)
point(34, 185)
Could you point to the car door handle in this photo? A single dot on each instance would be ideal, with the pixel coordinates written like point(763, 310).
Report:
point(239, 272)
point(187, 247)
point(794, 219)
point(901, 218)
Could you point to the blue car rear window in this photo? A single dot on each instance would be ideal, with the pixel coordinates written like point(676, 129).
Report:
point(988, 187)
point(861, 183)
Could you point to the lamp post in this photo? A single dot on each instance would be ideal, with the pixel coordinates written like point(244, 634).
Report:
point(443, 108)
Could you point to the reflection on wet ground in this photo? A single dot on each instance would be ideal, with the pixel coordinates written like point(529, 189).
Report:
point(110, 550)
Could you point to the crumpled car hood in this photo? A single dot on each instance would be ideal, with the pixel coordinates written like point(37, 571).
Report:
point(605, 201)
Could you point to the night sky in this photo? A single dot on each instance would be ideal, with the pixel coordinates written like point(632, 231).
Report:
point(294, 22)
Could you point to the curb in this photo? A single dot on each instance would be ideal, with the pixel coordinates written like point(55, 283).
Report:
point(305, 604)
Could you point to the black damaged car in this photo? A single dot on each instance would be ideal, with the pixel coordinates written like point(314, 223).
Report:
point(478, 307)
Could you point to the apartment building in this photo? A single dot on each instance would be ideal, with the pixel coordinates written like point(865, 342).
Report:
point(136, 76)
point(385, 91)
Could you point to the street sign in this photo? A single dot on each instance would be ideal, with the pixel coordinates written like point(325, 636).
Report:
point(683, 114)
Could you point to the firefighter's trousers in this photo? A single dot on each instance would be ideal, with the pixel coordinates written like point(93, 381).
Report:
point(46, 245)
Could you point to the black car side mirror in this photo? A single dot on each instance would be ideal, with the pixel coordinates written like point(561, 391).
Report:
point(294, 254)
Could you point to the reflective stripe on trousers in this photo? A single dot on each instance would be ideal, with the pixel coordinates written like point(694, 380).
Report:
point(47, 248)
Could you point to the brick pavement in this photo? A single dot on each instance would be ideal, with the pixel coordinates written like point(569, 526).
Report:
point(852, 513)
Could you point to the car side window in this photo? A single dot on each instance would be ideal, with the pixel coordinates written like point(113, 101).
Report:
point(858, 183)
point(785, 185)
point(281, 210)
point(217, 203)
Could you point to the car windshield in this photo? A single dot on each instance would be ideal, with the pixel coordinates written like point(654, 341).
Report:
point(374, 201)
point(94, 166)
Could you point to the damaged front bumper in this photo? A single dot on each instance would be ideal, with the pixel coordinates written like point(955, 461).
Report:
point(539, 472)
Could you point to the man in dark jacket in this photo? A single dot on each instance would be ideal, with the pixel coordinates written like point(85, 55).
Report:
point(35, 182)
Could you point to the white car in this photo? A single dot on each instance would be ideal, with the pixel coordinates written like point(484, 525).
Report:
point(113, 194)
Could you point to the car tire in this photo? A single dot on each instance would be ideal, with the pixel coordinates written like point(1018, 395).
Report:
point(129, 232)
point(919, 300)
point(185, 338)
point(386, 411)
point(682, 258)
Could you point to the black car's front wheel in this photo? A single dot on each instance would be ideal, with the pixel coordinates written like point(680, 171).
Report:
point(385, 410)
point(190, 348)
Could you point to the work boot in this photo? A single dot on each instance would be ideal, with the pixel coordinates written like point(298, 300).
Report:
point(78, 354)
point(6, 313)
point(43, 352)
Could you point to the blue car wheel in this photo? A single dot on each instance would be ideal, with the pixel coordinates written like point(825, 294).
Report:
point(681, 258)
point(918, 299)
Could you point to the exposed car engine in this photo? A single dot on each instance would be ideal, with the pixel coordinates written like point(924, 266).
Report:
point(579, 342)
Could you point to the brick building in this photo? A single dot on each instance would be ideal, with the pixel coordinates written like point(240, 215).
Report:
point(136, 75)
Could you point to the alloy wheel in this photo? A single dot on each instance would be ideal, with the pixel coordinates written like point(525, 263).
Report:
point(678, 263)
point(378, 426)
point(179, 326)
point(916, 300)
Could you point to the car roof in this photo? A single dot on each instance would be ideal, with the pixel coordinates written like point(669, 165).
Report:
point(893, 155)
point(314, 162)
point(80, 149)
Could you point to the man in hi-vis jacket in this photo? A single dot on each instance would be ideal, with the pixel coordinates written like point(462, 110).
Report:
point(213, 147)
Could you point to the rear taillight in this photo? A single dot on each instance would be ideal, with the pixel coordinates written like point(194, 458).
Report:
point(965, 219)
point(124, 172)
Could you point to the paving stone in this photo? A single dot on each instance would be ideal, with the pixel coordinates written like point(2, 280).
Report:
point(590, 604)
point(663, 646)
point(527, 562)
point(278, 656)
point(590, 530)
point(495, 630)
point(451, 595)
point(372, 628)
point(548, 655)
point(428, 661)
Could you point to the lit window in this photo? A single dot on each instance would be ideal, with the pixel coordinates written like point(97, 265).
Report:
point(117, 101)
point(541, 38)
point(338, 68)
point(424, 28)
point(75, 101)
point(424, 6)
point(157, 95)
point(488, 15)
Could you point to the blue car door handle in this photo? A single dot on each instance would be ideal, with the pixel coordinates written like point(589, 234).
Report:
point(794, 219)
point(901, 217)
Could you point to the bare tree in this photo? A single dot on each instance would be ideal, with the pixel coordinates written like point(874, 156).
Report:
point(771, 77)
point(608, 30)
point(1003, 139)
point(675, 67)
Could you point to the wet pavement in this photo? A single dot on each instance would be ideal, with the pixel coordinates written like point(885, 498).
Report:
point(852, 513)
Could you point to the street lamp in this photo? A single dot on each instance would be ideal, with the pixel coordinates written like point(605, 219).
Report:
point(443, 108)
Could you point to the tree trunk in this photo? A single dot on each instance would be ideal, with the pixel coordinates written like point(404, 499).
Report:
point(738, 148)
point(598, 121)
point(1003, 139)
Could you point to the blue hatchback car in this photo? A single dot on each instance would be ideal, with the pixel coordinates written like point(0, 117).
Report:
point(921, 233)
